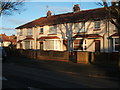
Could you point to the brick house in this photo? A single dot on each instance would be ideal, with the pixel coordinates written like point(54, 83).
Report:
point(87, 30)
point(8, 40)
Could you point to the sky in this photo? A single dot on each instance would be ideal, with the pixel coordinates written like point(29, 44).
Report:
point(35, 10)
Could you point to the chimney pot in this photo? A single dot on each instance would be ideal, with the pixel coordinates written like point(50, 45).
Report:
point(76, 8)
point(49, 13)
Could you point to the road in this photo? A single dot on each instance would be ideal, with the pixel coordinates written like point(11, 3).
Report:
point(21, 76)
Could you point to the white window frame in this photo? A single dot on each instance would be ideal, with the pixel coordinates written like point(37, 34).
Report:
point(53, 29)
point(76, 27)
point(27, 46)
point(114, 45)
point(41, 30)
point(21, 32)
point(55, 43)
point(83, 27)
point(74, 45)
point(97, 24)
point(29, 31)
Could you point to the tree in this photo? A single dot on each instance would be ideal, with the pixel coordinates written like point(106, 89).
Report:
point(113, 8)
point(10, 6)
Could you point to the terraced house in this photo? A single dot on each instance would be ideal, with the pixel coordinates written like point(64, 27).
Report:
point(87, 30)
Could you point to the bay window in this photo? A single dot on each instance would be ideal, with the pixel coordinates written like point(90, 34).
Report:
point(53, 45)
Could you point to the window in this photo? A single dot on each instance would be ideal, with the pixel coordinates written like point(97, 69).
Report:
point(78, 44)
point(27, 44)
point(29, 31)
point(49, 44)
point(97, 25)
point(116, 44)
point(83, 27)
point(53, 29)
point(77, 27)
point(31, 45)
point(41, 30)
point(53, 44)
point(21, 32)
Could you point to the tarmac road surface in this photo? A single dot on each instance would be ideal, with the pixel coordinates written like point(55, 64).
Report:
point(19, 76)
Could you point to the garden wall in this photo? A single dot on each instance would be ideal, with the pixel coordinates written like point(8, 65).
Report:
point(41, 55)
point(83, 57)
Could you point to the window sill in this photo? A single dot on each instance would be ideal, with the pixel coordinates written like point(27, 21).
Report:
point(29, 36)
point(40, 33)
point(115, 51)
point(79, 33)
point(52, 34)
point(97, 29)
point(114, 30)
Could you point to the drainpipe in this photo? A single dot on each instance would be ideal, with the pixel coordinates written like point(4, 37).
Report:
point(35, 33)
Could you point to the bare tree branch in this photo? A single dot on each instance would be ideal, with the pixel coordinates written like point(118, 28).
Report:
point(8, 6)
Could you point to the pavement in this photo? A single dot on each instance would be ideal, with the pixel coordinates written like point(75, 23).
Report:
point(89, 70)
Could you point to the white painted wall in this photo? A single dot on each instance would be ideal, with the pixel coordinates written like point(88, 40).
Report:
point(61, 33)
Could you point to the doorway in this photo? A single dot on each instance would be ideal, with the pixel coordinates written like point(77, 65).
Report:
point(97, 45)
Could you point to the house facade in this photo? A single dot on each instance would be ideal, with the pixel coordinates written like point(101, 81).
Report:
point(87, 30)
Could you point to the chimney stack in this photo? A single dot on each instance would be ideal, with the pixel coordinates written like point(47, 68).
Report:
point(49, 13)
point(76, 8)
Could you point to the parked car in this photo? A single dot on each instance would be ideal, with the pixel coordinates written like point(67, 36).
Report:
point(3, 54)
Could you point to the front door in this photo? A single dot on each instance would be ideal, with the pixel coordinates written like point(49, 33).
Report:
point(41, 45)
point(97, 45)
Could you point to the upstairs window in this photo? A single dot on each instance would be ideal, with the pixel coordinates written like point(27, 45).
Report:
point(79, 27)
point(83, 27)
point(29, 31)
point(21, 32)
point(97, 25)
point(53, 29)
point(41, 30)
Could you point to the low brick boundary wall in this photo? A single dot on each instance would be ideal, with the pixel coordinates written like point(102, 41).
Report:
point(41, 55)
point(53, 55)
point(104, 58)
point(97, 58)
point(82, 57)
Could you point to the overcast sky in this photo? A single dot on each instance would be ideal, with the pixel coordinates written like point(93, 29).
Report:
point(35, 10)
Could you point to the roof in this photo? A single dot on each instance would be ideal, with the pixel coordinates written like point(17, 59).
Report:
point(29, 38)
point(114, 35)
point(94, 14)
point(87, 36)
point(6, 38)
point(19, 41)
point(46, 37)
